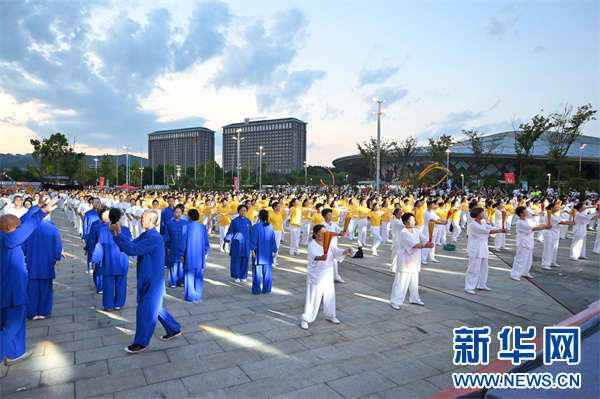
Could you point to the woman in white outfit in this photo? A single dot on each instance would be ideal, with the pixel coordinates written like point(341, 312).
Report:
point(335, 228)
point(430, 215)
point(319, 279)
point(565, 214)
point(524, 255)
point(582, 219)
point(500, 239)
point(479, 232)
point(396, 227)
point(551, 239)
point(409, 263)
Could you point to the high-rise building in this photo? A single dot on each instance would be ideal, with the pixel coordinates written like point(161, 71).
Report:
point(183, 147)
point(283, 142)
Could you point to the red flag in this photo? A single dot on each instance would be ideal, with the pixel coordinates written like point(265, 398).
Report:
point(509, 178)
point(196, 138)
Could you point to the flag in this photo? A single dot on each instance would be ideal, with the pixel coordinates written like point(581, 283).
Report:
point(509, 178)
point(196, 139)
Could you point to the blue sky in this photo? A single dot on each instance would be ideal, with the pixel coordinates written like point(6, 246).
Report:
point(108, 73)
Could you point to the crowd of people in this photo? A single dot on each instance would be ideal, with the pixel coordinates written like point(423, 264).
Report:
point(171, 229)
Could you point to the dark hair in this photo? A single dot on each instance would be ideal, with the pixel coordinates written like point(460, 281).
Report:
point(475, 212)
point(325, 212)
point(114, 215)
point(578, 206)
point(292, 201)
point(319, 205)
point(155, 201)
point(396, 211)
point(193, 215)
point(407, 216)
point(28, 199)
point(239, 208)
point(316, 229)
point(263, 216)
point(103, 209)
point(179, 206)
point(519, 211)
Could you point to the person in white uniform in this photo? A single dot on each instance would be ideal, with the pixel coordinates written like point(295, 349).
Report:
point(396, 227)
point(337, 232)
point(319, 279)
point(412, 241)
point(524, 255)
point(479, 253)
point(582, 219)
point(552, 236)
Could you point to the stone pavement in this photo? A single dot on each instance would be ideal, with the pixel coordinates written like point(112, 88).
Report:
point(239, 345)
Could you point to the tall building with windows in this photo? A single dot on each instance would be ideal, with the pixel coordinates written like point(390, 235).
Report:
point(283, 142)
point(183, 147)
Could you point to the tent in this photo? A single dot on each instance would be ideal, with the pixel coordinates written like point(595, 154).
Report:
point(126, 187)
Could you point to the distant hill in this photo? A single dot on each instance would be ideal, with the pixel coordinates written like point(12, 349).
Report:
point(7, 161)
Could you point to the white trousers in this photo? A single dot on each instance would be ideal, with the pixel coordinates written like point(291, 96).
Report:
point(136, 230)
point(278, 235)
point(405, 282)
point(222, 234)
point(508, 222)
point(563, 231)
point(362, 232)
point(550, 251)
point(294, 239)
point(477, 273)
point(578, 246)
point(314, 294)
point(522, 262)
point(305, 229)
point(597, 242)
point(385, 231)
point(500, 241)
point(376, 234)
point(395, 248)
point(351, 228)
point(457, 230)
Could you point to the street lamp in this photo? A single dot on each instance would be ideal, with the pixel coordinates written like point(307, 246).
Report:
point(378, 113)
point(127, 164)
point(463, 181)
point(549, 179)
point(448, 166)
point(238, 139)
point(260, 155)
point(311, 181)
point(96, 168)
point(580, 153)
point(346, 179)
point(305, 172)
point(178, 168)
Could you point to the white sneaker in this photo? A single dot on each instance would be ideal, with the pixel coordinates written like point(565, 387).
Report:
point(333, 320)
point(434, 260)
point(374, 254)
point(395, 306)
point(528, 276)
point(339, 280)
point(419, 302)
point(424, 262)
point(571, 258)
point(303, 325)
point(555, 265)
point(515, 278)
point(221, 250)
point(10, 362)
point(470, 292)
point(484, 289)
point(237, 280)
point(546, 268)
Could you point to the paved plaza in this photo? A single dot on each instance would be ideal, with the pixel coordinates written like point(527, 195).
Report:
point(238, 345)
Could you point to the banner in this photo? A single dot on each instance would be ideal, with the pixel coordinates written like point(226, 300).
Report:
point(102, 179)
point(235, 184)
point(509, 178)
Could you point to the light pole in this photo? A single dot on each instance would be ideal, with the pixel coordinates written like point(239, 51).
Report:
point(379, 112)
point(260, 155)
point(127, 164)
point(448, 166)
point(141, 176)
point(96, 168)
point(580, 154)
point(549, 179)
point(463, 181)
point(346, 179)
point(238, 139)
point(305, 172)
point(178, 168)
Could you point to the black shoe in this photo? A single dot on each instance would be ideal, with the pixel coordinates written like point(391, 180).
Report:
point(171, 336)
point(135, 348)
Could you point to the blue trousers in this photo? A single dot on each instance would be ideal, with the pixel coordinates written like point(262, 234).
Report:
point(97, 277)
point(194, 280)
point(89, 260)
point(12, 331)
point(176, 274)
point(40, 296)
point(115, 291)
point(239, 267)
point(261, 273)
point(149, 311)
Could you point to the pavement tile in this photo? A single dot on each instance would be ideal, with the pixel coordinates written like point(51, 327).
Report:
point(55, 391)
point(319, 340)
point(231, 358)
point(162, 371)
point(314, 375)
point(74, 372)
point(105, 352)
point(359, 385)
point(193, 350)
point(11, 383)
point(109, 383)
point(285, 333)
point(279, 348)
point(40, 363)
point(259, 389)
point(406, 371)
point(242, 341)
point(164, 390)
point(319, 391)
point(213, 380)
point(132, 362)
point(252, 327)
point(417, 389)
point(271, 367)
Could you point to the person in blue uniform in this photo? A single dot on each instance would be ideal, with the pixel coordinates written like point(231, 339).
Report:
point(13, 280)
point(193, 251)
point(166, 214)
point(173, 243)
point(264, 250)
point(112, 264)
point(43, 251)
point(150, 282)
point(239, 251)
point(89, 219)
point(91, 242)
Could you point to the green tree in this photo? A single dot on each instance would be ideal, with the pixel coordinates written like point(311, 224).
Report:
point(16, 173)
point(405, 152)
point(566, 128)
point(526, 138)
point(483, 148)
point(107, 168)
point(437, 148)
point(368, 149)
point(55, 157)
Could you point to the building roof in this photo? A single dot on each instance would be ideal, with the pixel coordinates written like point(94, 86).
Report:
point(261, 122)
point(187, 129)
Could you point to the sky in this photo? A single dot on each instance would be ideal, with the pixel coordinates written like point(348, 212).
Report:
point(107, 73)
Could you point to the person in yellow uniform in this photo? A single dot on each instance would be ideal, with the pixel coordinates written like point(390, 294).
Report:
point(351, 213)
point(295, 218)
point(510, 211)
point(317, 218)
point(306, 215)
point(455, 220)
point(276, 220)
point(207, 212)
point(419, 214)
point(223, 212)
point(440, 229)
point(376, 216)
point(362, 212)
point(464, 209)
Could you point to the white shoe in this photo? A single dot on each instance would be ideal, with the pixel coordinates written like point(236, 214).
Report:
point(10, 362)
point(484, 289)
point(583, 257)
point(397, 307)
point(237, 280)
point(419, 302)
point(571, 258)
point(546, 268)
point(339, 280)
point(424, 262)
point(515, 278)
point(528, 276)
point(303, 325)
point(555, 265)
point(434, 260)
point(333, 320)
point(374, 254)
point(393, 270)
point(244, 280)
point(470, 292)
point(35, 317)
point(221, 250)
